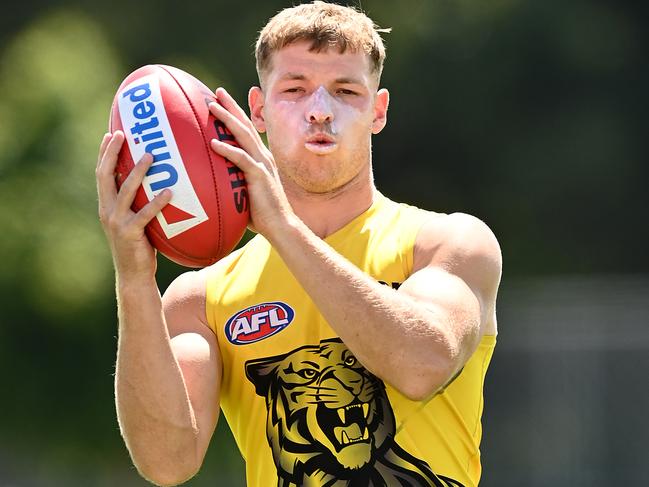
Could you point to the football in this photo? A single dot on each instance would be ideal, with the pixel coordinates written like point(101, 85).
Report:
point(164, 111)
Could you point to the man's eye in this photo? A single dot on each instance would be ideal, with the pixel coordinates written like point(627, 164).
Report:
point(343, 91)
point(293, 90)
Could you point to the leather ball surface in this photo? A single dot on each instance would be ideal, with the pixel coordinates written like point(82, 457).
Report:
point(164, 111)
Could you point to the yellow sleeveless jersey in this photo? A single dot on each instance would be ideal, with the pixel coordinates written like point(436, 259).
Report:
point(302, 409)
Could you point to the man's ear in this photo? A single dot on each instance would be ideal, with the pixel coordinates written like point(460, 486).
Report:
point(256, 104)
point(381, 103)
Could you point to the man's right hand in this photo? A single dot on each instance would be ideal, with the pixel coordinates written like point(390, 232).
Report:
point(133, 255)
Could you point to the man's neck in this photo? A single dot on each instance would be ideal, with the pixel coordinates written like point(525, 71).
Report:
point(326, 213)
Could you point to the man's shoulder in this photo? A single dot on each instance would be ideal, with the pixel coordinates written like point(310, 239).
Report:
point(188, 285)
point(455, 227)
point(194, 281)
point(451, 239)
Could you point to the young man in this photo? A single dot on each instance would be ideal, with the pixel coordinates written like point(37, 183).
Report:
point(347, 343)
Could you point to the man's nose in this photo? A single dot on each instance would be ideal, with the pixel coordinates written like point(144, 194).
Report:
point(320, 107)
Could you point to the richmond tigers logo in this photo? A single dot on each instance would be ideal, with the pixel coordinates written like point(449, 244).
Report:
point(330, 423)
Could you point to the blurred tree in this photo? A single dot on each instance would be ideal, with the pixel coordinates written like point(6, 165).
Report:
point(58, 73)
point(58, 320)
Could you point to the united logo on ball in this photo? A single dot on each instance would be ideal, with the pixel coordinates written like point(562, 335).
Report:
point(164, 111)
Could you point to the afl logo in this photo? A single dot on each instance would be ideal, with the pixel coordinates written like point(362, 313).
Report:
point(258, 322)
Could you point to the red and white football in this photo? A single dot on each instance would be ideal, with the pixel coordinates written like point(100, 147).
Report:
point(164, 111)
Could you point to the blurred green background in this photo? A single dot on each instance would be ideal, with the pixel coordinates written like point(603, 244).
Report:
point(528, 114)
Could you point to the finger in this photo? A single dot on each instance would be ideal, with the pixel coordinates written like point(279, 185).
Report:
point(129, 188)
point(102, 147)
point(248, 139)
point(106, 187)
point(233, 107)
point(152, 208)
point(235, 155)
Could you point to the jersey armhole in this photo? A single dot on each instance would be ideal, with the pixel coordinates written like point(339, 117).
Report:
point(416, 218)
point(214, 287)
point(211, 292)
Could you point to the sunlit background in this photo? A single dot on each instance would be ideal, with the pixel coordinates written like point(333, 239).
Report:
point(531, 115)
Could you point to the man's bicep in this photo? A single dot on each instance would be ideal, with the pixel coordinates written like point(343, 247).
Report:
point(451, 303)
point(198, 358)
point(196, 349)
point(463, 248)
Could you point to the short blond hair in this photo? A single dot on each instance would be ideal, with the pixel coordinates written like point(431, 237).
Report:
point(325, 25)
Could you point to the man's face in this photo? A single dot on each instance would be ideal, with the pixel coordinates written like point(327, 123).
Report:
point(319, 110)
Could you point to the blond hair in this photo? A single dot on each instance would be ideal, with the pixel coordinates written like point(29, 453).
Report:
point(325, 25)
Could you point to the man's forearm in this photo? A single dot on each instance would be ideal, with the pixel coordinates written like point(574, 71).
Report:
point(398, 339)
point(153, 408)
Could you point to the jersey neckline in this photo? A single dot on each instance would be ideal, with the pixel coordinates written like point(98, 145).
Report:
point(359, 220)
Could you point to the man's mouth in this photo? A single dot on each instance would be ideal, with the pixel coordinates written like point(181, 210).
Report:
point(321, 144)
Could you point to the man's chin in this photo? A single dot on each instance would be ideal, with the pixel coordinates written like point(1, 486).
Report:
point(319, 186)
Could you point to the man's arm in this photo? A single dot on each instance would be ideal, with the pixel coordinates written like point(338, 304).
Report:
point(168, 368)
point(415, 339)
point(419, 337)
point(167, 379)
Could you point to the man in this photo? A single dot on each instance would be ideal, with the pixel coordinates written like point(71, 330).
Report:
point(347, 342)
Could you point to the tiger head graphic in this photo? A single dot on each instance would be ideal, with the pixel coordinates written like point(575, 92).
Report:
point(329, 418)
